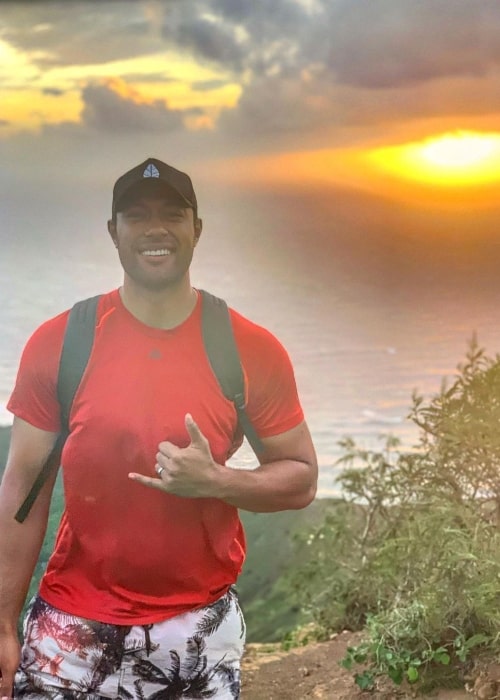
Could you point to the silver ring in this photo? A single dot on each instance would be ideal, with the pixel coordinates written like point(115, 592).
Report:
point(159, 470)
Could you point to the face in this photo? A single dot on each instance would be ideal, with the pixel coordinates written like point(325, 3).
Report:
point(155, 235)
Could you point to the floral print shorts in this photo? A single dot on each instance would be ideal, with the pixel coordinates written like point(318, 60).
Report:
point(194, 655)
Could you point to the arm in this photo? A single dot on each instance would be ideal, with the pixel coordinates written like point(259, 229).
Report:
point(285, 480)
point(20, 544)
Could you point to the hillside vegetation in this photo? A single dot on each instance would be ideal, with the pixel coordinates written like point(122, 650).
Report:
point(411, 554)
point(4, 445)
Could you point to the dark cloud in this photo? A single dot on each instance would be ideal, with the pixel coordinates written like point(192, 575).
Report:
point(276, 104)
point(396, 44)
point(210, 40)
point(107, 110)
point(238, 10)
point(208, 85)
point(158, 77)
point(363, 43)
point(304, 68)
point(78, 32)
point(388, 43)
point(262, 20)
point(301, 67)
point(56, 92)
point(365, 63)
point(194, 112)
point(244, 37)
point(4, 122)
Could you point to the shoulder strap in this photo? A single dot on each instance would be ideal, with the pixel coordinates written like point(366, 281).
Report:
point(77, 345)
point(224, 358)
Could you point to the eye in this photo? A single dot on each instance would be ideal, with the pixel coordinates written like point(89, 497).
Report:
point(135, 214)
point(173, 214)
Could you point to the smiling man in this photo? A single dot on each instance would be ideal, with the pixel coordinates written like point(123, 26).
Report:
point(138, 597)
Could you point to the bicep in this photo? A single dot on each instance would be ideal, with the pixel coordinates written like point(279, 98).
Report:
point(29, 449)
point(295, 444)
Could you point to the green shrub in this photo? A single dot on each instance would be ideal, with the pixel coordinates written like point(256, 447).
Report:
point(412, 554)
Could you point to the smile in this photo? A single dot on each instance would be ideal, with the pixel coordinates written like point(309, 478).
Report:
point(156, 253)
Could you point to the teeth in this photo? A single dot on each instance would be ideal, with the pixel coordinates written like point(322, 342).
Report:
point(164, 251)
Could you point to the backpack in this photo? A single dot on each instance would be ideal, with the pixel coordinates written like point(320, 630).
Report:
point(220, 346)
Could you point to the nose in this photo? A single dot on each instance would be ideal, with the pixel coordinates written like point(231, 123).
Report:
point(157, 228)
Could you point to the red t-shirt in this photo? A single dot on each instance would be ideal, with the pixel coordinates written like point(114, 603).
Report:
point(124, 553)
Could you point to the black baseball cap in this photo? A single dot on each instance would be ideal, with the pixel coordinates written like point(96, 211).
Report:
point(154, 170)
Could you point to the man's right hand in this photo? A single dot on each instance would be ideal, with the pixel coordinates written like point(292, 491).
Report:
point(10, 656)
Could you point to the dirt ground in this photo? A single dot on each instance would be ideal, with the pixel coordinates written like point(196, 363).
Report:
point(313, 671)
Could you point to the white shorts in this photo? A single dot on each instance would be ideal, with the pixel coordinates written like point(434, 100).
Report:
point(194, 655)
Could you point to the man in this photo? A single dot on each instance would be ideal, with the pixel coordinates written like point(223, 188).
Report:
point(137, 600)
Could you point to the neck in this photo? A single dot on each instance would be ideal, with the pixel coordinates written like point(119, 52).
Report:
point(159, 309)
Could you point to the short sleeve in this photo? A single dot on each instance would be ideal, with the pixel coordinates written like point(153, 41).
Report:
point(34, 398)
point(273, 404)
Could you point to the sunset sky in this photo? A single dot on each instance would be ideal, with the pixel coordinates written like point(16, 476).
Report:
point(345, 156)
point(396, 97)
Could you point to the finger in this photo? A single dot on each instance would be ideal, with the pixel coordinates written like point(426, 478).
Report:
point(148, 481)
point(194, 432)
point(163, 461)
point(167, 448)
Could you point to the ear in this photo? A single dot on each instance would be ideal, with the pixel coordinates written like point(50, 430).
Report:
point(198, 226)
point(112, 232)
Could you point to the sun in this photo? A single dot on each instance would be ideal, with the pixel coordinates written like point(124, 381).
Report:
point(460, 158)
point(459, 151)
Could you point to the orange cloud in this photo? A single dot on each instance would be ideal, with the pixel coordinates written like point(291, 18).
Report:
point(124, 90)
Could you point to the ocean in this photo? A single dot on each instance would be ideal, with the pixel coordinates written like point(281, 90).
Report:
point(372, 299)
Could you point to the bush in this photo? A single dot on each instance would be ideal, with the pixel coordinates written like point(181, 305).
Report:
point(412, 554)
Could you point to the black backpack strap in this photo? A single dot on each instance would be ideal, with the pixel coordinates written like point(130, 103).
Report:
point(51, 464)
point(76, 349)
point(224, 358)
point(77, 346)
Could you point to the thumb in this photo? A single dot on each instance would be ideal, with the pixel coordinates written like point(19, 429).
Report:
point(197, 437)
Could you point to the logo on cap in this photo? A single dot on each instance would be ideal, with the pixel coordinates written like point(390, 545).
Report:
point(151, 171)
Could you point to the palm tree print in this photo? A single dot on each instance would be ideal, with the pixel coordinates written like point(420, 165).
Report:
point(46, 621)
point(214, 616)
point(190, 679)
point(217, 612)
point(86, 638)
point(55, 640)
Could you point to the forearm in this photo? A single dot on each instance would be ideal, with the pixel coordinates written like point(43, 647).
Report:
point(280, 485)
point(20, 546)
point(285, 480)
